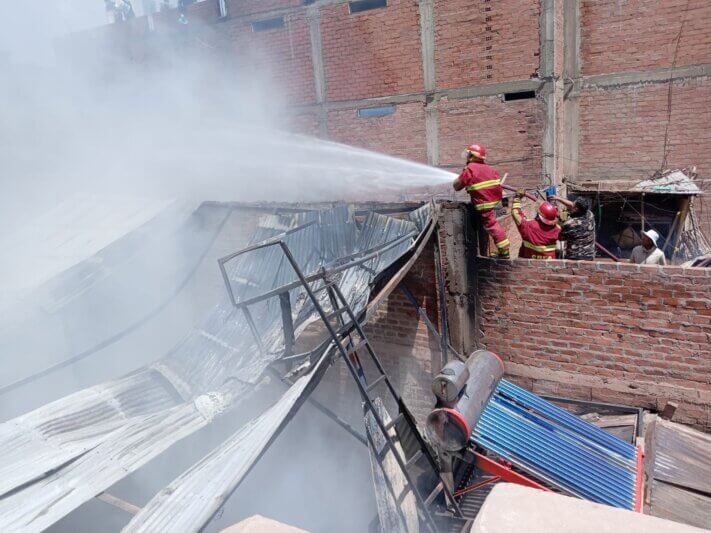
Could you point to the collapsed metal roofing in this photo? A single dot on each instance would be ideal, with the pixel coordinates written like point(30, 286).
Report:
point(668, 182)
point(62, 454)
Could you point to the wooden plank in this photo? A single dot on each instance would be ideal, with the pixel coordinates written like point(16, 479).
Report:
point(119, 503)
point(675, 503)
point(650, 433)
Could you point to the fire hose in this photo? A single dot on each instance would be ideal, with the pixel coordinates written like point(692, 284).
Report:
point(599, 246)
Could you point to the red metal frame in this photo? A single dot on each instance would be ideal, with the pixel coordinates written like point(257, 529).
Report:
point(459, 419)
point(476, 486)
point(640, 480)
point(504, 472)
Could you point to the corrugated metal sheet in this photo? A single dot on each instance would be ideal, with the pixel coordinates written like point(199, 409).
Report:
point(59, 308)
point(191, 499)
point(120, 425)
point(558, 447)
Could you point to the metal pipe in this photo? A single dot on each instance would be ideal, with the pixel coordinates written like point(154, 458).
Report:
point(599, 246)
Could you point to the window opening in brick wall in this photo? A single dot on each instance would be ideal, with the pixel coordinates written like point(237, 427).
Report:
point(521, 95)
point(364, 5)
point(373, 112)
point(619, 217)
point(268, 24)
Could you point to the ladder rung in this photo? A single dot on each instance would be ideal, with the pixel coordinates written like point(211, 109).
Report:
point(413, 459)
point(356, 347)
point(336, 312)
point(324, 287)
point(344, 328)
point(434, 493)
point(375, 383)
point(394, 421)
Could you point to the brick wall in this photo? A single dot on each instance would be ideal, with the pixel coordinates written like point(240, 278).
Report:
point(602, 331)
point(282, 55)
point(372, 53)
point(478, 43)
point(622, 131)
point(408, 350)
point(401, 134)
point(641, 34)
point(305, 124)
point(511, 132)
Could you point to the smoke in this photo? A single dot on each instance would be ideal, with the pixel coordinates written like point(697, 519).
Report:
point(172, 118)
point(176, 115)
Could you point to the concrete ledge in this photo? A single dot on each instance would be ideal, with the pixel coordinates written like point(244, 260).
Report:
point(512, 507)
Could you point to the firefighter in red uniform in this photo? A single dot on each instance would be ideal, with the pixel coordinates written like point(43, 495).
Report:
point(483, 184)
point(540, 235)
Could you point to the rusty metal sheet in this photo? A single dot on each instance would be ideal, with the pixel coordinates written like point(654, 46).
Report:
point(683, 457)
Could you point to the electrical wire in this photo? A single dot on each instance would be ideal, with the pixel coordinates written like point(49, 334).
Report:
point(665, 151)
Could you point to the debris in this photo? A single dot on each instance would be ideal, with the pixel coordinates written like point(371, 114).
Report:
point(669, 410)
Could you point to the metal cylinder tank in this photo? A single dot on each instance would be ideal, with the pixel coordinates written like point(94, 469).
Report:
point(450, 427)
point(448, 384)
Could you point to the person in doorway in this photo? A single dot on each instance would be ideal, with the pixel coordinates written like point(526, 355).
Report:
point(647, 253)
point(578, 230)
point(483, 184)
point(540, 235)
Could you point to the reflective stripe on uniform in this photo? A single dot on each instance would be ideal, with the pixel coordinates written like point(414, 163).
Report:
point(483, 185)
point(539, 248)
point(486, 205)
point(503, 244)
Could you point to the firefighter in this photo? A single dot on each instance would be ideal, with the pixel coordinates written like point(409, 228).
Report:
point(539, 236)
point(483, 184)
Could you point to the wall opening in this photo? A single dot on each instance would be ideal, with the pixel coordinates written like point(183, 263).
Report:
point(268, 24)
point(373, 112)
point(521, 95)
point(358, 6)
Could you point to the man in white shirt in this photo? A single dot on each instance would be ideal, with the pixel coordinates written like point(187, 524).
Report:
point(647, 253)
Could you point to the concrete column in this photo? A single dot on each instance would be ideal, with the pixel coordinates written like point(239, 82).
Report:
point(570, 124)
point(427, 40)
point(313, 16)
point(548, 91)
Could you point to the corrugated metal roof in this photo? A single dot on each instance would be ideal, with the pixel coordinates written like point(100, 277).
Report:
point(95, 437)
point(557, 447)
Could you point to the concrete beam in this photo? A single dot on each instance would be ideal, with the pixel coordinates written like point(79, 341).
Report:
point(280, 12)
point(477, 91)
point(493, 89)
point(661, 75)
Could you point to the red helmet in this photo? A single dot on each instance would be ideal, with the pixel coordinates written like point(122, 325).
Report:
point(547, 212)
point(476, 150)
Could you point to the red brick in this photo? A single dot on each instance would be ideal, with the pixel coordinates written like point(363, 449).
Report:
point(482, 43)
point(511, 132)
point(401, 134)
point(372, 53)
point(641, 35)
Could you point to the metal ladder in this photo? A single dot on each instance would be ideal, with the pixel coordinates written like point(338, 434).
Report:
point(348, 350)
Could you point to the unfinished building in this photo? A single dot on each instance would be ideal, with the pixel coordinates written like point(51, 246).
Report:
point(160, 416)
